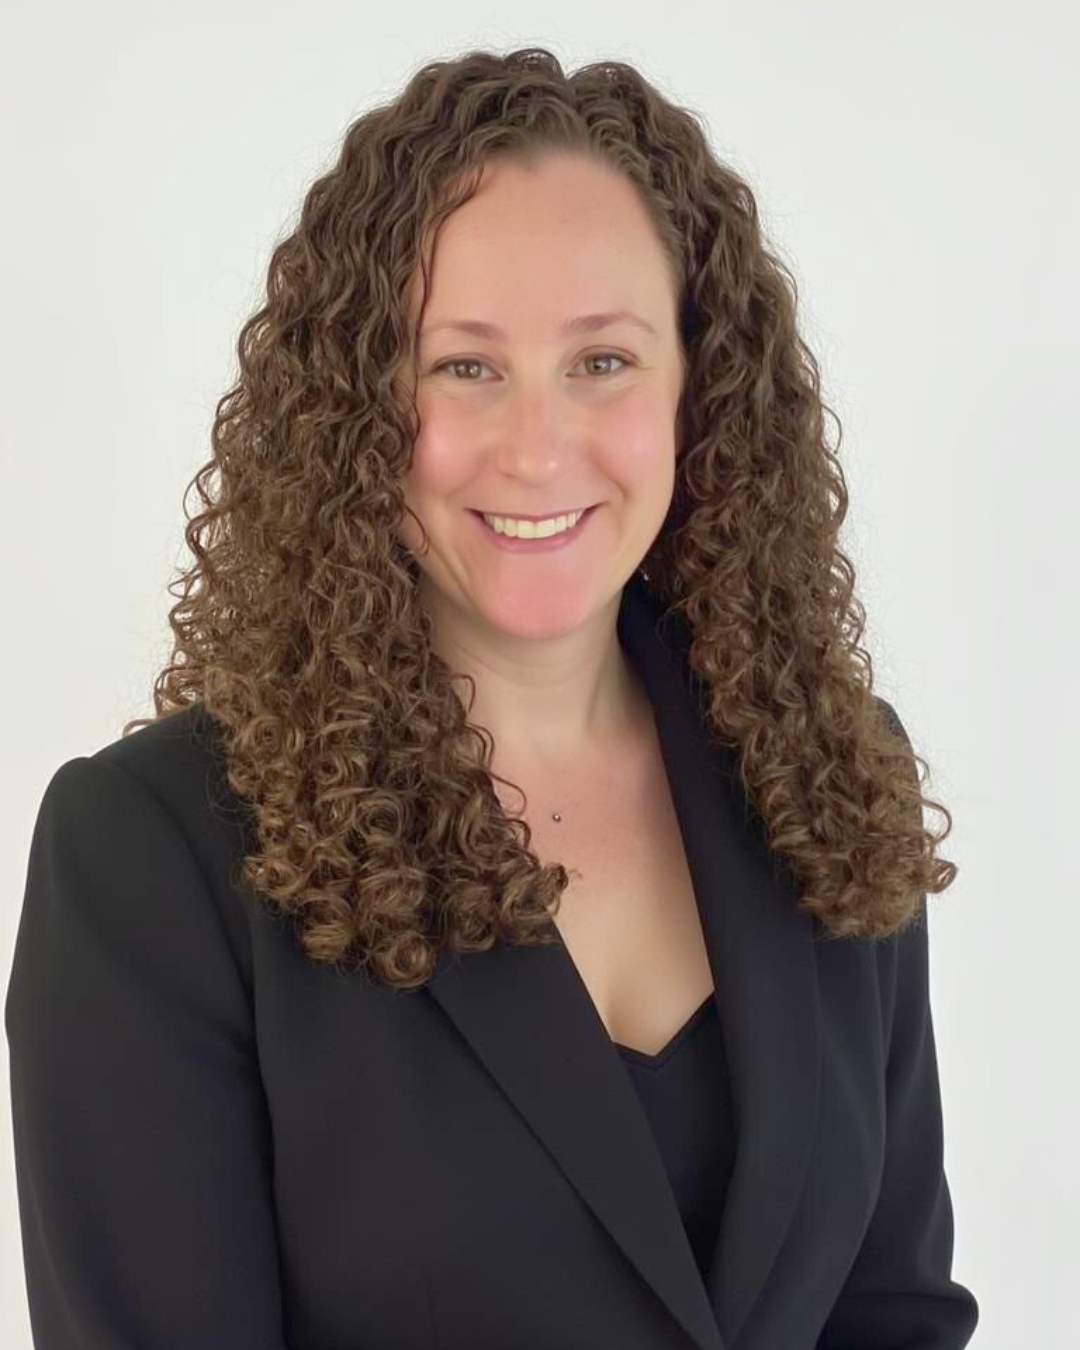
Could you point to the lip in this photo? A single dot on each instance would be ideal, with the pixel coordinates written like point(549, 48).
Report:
point(555, 541)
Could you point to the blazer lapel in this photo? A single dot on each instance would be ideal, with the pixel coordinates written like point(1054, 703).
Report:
point(528, 1016)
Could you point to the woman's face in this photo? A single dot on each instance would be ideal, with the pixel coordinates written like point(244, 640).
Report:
point(532, 417)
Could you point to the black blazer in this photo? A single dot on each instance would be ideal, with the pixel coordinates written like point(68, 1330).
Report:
point(221, 1146)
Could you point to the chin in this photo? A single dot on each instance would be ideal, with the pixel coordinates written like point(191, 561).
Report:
point(541, 613)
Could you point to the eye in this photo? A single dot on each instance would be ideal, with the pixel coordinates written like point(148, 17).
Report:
point(475, 361)
point(606, 356)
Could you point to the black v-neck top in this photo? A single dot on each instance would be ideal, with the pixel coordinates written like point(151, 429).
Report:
point(685, 1093)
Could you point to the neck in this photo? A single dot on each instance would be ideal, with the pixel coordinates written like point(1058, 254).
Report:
point(553, 704)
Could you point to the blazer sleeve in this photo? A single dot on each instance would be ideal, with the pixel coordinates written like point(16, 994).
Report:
point(899, 1294)
point(141, 1133)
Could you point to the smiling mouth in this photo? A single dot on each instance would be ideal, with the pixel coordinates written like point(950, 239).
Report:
point(550, 515)
point(524, 534)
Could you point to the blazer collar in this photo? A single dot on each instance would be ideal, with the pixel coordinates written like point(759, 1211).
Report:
point(528, 1016)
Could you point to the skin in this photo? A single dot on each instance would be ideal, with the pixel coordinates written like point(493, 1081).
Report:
point(535, 423)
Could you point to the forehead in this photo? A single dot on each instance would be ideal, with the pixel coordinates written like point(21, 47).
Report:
point(560, 239)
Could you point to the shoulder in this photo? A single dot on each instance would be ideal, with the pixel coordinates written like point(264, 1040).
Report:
point(166, 754)
point(892, 718)
point(146, 827)
point(130, 900)
point(178, 762)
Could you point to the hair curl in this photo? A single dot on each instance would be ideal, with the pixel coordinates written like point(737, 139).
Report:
point(298, 628)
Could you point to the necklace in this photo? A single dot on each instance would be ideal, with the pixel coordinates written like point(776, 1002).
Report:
point(555, 815)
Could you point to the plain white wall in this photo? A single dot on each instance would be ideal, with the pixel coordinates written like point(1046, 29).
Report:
point(912, 164)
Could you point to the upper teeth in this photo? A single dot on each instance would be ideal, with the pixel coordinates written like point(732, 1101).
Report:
point(532, 529)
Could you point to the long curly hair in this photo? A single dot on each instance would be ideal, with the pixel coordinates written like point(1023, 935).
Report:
point(298, 628)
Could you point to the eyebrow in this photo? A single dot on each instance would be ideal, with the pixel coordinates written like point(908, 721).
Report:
point(581, 323)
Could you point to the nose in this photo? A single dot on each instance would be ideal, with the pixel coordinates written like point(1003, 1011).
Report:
point(540, 437)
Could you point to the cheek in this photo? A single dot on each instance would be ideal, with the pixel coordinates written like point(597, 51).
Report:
point(438, 477)
point(443, 458)
point(638, 443)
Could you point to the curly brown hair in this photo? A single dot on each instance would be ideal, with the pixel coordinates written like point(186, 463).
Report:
point(299, 630)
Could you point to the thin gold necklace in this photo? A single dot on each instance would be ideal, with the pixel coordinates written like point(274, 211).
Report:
point(555, 815)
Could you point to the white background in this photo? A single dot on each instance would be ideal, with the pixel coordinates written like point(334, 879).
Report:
point(915, 166)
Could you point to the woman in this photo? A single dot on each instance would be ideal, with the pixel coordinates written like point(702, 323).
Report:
point(454, 959)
